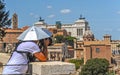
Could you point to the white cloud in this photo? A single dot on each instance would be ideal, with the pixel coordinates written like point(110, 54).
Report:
point(31, 14)
point(49, 6)
point(118, 29)
point(118, 12)
point(51, 16)
point(65, 11)
point(34, 15)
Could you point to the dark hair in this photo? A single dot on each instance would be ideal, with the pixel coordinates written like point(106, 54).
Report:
point(41, 42)
point(50, 39)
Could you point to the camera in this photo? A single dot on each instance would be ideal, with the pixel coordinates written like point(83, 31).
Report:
point(50, 40)
point(41, 42)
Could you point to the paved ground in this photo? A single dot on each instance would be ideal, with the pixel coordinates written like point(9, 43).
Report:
point(3, 59)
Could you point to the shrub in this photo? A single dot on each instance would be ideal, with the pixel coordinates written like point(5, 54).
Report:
point(77, 62)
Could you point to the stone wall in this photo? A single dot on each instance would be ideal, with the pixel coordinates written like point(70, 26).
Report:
point(52, 68)
point(44, 68)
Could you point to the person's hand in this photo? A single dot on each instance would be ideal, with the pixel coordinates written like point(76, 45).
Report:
point(46, 42)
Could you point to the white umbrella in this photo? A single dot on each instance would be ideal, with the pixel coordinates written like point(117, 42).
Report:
point(34, 33)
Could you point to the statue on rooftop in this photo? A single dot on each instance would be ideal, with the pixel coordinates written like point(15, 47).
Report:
point(40, 19)
point(81, 17)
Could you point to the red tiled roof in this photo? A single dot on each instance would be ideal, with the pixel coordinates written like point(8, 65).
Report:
point(13, 30)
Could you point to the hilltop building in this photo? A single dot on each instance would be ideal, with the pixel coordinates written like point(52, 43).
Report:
point(91, 48)
point(10, 39)
point(86, 46)
point(75, 30)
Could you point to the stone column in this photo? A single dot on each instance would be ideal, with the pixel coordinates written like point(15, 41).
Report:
point(75, 46)
point(1, 46)
point(75, 53)
point(56, 56)
point(48, 55)
point(61, 56)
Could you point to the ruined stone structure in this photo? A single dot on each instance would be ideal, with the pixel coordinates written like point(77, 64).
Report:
point(57, 52)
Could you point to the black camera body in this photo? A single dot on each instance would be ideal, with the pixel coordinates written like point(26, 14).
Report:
point(41, 42)
point(50, 40)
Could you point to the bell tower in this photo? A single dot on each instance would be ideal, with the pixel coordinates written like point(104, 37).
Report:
point(15, 21)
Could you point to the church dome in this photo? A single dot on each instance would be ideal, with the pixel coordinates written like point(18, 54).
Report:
point(88, 34)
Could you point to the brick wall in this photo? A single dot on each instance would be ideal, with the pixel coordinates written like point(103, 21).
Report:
point(98, 51)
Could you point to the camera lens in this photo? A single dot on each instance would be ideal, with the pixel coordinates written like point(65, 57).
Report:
point(50, 40)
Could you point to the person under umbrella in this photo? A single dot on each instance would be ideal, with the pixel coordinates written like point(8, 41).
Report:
point(29, 44)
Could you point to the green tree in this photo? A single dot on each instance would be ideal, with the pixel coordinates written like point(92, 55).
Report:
point(59, 39)
point(70, 40)
point(4, 20)
point(77, 62)
point(118, 45)
point(95, 66)
point(67, 39)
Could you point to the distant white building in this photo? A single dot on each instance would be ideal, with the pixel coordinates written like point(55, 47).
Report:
point(75, 30)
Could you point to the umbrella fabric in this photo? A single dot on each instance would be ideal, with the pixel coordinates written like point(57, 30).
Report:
point(34, 33)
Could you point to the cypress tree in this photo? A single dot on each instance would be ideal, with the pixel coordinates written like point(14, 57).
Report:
point(4, 20)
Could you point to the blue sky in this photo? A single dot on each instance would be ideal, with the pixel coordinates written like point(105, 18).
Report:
point(103, 15)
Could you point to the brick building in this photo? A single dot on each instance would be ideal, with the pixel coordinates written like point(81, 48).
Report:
point(91, 48)
point(97, 49)
point(56, 31)
point(12, 33)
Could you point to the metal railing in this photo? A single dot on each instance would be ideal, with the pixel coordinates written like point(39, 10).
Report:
point(29, 72)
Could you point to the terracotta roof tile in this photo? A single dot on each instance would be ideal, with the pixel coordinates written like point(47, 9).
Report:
point(13, 30)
